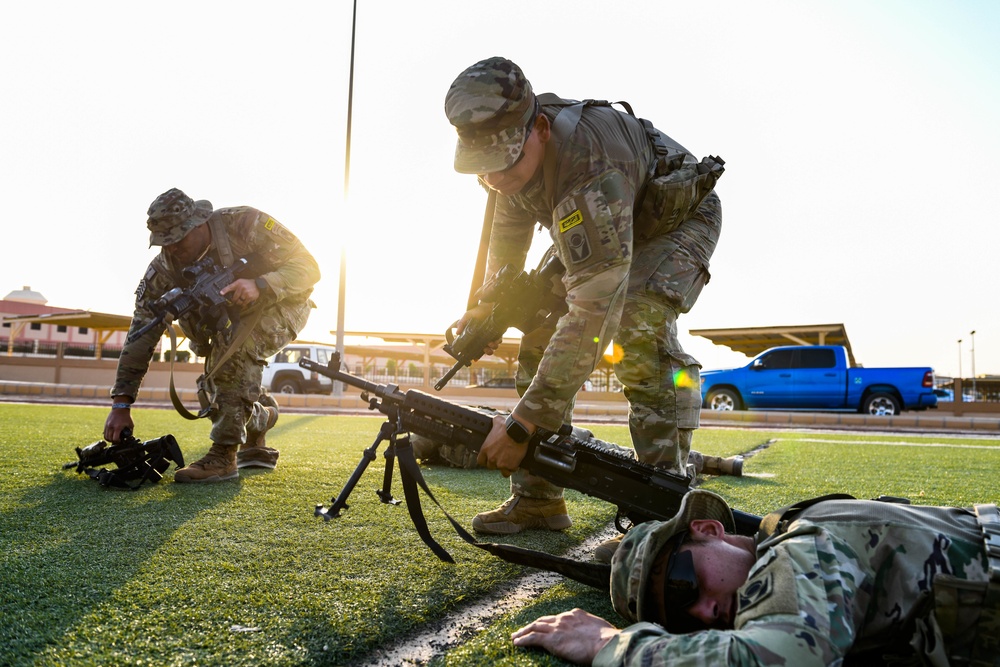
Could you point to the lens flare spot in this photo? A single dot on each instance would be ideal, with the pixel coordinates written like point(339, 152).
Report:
point(683, 379)
point(614, 353)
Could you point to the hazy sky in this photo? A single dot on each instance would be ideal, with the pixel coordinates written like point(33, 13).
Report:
point(860, 141)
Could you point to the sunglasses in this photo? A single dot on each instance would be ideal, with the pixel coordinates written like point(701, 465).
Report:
point(680, 589)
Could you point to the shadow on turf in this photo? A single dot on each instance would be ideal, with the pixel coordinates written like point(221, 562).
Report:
point(71, 543)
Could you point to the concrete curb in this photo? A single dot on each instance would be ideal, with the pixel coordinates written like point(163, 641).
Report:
point(585, 411)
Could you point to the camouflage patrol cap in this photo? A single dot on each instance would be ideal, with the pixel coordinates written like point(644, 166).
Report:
point(173, 214)
point(633, 561)
point(490, 105)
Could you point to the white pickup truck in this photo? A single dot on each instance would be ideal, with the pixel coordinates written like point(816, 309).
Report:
point(283, 375)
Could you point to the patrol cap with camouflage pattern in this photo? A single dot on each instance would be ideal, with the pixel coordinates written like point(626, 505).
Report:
point(490, 105)
point(173, 214)
point(633, 561)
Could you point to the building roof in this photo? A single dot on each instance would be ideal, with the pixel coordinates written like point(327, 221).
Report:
point(751, 341)
point(26, 295)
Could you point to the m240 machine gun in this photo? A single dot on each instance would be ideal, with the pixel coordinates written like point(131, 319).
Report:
point(640, 492)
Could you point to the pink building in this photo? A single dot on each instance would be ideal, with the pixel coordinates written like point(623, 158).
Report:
point(70, 327)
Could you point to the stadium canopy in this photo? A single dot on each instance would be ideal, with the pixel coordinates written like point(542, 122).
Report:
point(751, 341)
point(102, 324)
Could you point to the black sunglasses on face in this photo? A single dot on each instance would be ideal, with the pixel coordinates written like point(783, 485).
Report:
point(680, 589)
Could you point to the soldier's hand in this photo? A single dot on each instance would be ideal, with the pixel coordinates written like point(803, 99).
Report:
point(477, 314)
point(118, 420)
point(574, 635)
point(243, 292)
point(499, 452)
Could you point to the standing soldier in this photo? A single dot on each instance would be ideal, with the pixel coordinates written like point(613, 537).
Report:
point(273, 306)
point(634, 219)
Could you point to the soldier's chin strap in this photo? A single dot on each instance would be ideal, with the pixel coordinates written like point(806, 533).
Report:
point(597, 575)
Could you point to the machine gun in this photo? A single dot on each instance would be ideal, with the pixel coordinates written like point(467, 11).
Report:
point(135, 460)
point(523, 300)
point(205, 281)
point(640, 492)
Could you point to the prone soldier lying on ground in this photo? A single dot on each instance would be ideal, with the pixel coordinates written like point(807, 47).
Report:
point(829, 581)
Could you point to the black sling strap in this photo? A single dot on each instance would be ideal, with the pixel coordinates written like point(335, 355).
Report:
point(596, 575)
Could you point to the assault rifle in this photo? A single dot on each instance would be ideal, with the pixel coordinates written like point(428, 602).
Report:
point(523, 300)
point(205, 281)
point(640, 492)
point(135, 460)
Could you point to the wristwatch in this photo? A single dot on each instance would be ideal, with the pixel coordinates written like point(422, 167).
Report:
point(516, 431)
point(262, 285)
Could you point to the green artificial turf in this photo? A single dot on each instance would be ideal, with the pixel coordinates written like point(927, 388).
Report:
point(243, 573)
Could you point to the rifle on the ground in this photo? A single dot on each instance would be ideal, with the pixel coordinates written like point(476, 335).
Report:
point(521, 299)
point(134, 459)
point(205, 281)
point(640, 492)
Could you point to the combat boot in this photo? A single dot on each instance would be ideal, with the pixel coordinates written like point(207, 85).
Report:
point(604, 551)
point(255, 453)
point(218, 465)
point(716, 465)
point(518, 513)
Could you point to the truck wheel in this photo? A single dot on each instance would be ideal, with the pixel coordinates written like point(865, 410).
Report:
point(723, 400)
point(881, 403)
point(286, 386)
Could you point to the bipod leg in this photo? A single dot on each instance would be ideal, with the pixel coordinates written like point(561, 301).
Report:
point(368, 455)
point(385, 495)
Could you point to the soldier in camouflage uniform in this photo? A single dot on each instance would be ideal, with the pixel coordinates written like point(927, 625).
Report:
point(834, 582)
point(277, 300)
point(624, 280)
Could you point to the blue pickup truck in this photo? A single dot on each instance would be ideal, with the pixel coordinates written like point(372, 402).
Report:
point(817, 377)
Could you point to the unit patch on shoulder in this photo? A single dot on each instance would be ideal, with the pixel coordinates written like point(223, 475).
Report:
point(271, 222)
point(570, 221)
point(770, 591)
point(579, 245)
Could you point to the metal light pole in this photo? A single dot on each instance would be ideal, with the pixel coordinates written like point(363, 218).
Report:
point(959, 357)
point(338, 387)
point(973, 335)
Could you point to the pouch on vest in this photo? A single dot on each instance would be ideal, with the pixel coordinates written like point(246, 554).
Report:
point(674, 192)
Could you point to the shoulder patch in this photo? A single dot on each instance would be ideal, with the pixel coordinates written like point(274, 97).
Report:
point(771, 590)
point(276, 229)
point(570, 221)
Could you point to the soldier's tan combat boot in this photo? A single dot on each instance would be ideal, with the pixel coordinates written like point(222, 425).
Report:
point(216, 466)
point(518, 513)
point(716, 465)
point(606, 549)
point(255, 453)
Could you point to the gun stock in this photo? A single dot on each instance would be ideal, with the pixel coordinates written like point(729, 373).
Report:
point(640, 492)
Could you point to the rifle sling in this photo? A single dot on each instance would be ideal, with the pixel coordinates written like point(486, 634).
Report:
point(243, 331)
point(596, 575)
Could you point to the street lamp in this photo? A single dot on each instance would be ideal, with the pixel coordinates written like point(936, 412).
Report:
point(959, 357)
point(973, 335)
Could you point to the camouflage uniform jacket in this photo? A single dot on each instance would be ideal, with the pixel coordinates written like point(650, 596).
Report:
point(599, 171)
point(845, 578)
point(290, 275)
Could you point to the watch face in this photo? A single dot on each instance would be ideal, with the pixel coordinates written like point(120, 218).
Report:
point(516, 431)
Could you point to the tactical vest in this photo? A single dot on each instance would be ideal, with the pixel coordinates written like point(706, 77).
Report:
point(964, 614)
point(675, 187)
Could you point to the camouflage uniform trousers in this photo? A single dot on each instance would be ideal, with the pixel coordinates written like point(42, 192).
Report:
point(236, 390)
point(662, 383)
